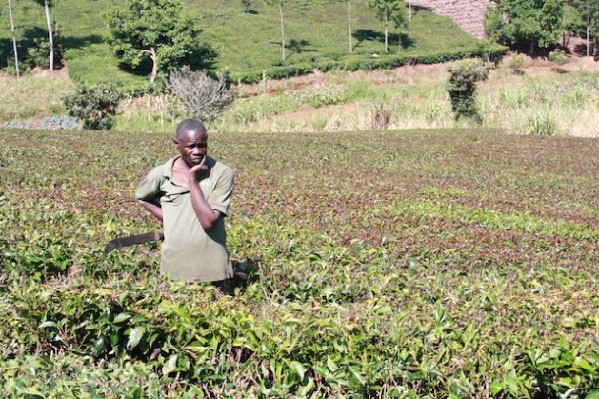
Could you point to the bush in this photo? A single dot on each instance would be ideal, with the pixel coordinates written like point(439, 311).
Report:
point(462, 86)
point(516, 63)
point(204, 97)
point(94, 106)
point(558, 57)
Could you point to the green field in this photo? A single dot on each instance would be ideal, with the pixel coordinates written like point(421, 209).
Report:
point(413, 264)
point(244, 41)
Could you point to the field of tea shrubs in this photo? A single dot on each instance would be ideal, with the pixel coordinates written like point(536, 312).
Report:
point(408, 264)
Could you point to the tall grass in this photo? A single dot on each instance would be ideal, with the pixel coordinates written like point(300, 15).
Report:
point(552, 104)
point(33, 96)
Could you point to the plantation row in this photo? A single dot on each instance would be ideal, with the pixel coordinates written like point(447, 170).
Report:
point(439, 264)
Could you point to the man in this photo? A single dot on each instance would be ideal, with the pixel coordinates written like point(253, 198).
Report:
point(191, 193)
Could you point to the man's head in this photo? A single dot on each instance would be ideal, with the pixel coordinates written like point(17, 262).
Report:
point(191, 139)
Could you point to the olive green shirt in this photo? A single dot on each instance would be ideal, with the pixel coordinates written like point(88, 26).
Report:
point(189, 252)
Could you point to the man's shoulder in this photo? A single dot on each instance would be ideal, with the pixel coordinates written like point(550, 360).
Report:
point(163, 169)
point(220, 167)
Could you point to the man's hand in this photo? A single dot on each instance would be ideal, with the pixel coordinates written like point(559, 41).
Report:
point(196, 171)
point(205, 214)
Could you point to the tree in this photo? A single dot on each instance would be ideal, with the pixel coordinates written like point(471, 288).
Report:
point(386, 11)
point(47, 4)
point(399, 20)
point(349, 29)
point(204, 97)
point(279, 4)
point(589, 13)
point(531, 24)
point(349, 24)
point(14, 38)
point(156, 29)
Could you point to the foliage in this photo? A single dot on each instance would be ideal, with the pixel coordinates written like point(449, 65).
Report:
point(355, 63)
point(48, 4)
point(588, 15)
point(37, 54)
point(525, 24)
point(157, 29)
point(516, 63)
point(462, 87)
point(204, 97)
point(558, 57)
point(94, 106)
point(237, 36)
point(414, 284)
point(56, 122)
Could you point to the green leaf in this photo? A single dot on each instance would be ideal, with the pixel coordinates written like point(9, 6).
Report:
point(47, 324)
point(170, 365)
point(594, 394)
point(496, 387)
point(121, 317)
point(298, 367)
point(583, 364)
point(135, 336)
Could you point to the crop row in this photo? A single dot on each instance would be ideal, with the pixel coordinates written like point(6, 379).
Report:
point(385, 264)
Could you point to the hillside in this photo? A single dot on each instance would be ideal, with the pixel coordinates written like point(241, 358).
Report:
point(245, 41)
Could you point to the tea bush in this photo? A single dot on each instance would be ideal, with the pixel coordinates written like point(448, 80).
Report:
point(408, 264)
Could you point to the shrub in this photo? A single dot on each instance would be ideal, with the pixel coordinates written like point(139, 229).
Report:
point(204, 97)
point(94, 106)
point(516, 63)
point(462, 86)
point(558, 57)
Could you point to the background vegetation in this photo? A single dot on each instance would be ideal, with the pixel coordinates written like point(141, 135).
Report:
point(440, 263)
point(247, 43)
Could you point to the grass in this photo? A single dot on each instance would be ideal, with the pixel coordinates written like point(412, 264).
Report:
point(34, 96)
point(443, 263)
point(412, 97)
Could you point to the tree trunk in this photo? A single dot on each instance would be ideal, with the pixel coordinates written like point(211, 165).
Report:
point(349, 24)
point(386, 32)
point(50, 35)
point(409, 10)
point(399, 42)
point(588, 42)
point(282, 32)
point(14, 38)
point(154, 72)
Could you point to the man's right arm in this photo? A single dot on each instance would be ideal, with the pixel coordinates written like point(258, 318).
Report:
point(154, 209)
point(148, 193)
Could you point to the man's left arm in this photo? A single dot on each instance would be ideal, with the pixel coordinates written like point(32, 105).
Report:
point(207, 213)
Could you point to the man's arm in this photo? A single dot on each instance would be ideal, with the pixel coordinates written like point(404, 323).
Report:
point(154, 209)
point(204, 212)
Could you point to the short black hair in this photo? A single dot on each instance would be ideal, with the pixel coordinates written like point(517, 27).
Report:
point(189, 124)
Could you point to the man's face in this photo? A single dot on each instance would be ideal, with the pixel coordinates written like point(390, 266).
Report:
point(193, 146)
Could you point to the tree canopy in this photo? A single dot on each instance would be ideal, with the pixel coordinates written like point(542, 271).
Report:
point(529, 24)
point(158, 30)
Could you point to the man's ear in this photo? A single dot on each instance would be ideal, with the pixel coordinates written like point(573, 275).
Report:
point(175, 143)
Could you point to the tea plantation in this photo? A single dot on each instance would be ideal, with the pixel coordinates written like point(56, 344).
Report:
point(412, 264)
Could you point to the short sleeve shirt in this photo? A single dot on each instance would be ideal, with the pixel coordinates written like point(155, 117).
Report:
point(189, 252)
